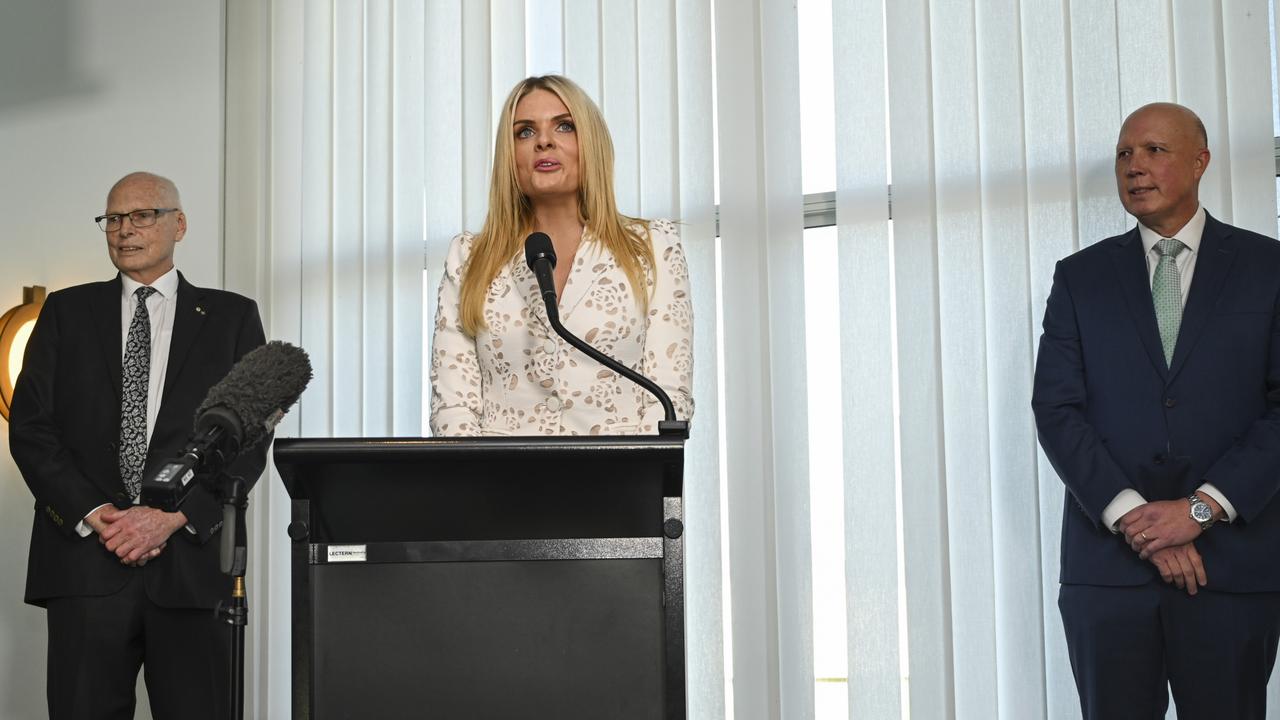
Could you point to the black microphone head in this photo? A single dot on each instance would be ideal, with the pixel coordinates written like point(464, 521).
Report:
point(538, 246)
point(258, 391)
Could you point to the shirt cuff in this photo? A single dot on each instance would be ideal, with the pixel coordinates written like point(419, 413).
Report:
point(83, 529)
point(1124, 501)
point(1216, 494)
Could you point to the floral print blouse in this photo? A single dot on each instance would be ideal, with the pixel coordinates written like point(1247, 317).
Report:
point(517, 377)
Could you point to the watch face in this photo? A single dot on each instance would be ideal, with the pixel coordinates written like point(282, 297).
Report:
point(1201, 512)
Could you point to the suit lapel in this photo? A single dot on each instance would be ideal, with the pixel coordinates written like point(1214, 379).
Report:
point(1135, 286)
point(187, 320)
point(589, 264)
point(527, 285)
point(1213, 265)
point(107, 318)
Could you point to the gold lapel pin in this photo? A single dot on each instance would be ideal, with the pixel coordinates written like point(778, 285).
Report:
point(200, 310)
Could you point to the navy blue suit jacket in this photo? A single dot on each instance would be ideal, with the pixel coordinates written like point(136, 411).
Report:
point(1110, 414)
point(65, 428)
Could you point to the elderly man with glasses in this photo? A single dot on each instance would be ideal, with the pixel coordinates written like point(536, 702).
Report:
point(113, 374)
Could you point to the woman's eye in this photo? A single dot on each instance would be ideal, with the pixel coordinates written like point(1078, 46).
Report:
point(565, 126)
point(524, 132)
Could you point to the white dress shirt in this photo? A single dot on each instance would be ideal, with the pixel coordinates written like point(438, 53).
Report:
point(161, 308)
point(1190, 235)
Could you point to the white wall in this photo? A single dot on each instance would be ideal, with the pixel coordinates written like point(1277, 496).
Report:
point(88, 92)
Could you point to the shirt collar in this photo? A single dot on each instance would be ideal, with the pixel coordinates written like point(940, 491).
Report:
point(166, 284)
point(1190, 233)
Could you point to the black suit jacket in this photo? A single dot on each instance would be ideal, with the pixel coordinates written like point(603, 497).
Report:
point(1111, 415)
point(65, 427)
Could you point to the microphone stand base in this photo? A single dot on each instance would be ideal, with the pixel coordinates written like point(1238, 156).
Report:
point(674, 428)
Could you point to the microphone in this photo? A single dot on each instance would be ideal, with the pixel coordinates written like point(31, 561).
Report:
point(541, 258)
point(540, 255)
point(237, 414)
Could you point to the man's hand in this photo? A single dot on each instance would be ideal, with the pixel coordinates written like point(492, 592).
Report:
point(1182, 566)
point(137, 534)
point(98, 525)
point(148, 557)
point(94, 520)
point(1157, 525)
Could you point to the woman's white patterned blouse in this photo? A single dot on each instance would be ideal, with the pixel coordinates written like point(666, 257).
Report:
point(517, 377)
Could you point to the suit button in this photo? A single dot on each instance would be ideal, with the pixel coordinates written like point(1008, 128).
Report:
point(1158, 459)
point(1170, 402)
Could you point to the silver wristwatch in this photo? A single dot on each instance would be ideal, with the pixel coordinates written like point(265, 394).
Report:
point(1200, 511)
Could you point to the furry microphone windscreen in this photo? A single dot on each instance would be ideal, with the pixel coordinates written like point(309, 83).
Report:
point(259, 389)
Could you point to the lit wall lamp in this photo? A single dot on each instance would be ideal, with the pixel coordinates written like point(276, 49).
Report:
point(15, 328)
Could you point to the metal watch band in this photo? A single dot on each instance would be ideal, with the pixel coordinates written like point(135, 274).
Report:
point(1191, 511)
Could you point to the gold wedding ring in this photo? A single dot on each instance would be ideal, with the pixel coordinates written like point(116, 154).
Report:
point(1144, 535)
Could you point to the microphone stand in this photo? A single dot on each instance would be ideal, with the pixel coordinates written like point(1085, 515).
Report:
point(169, 489)
point(234, 494)
point(667, 426)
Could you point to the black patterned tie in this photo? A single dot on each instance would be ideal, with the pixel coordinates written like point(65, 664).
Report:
point(133, 391)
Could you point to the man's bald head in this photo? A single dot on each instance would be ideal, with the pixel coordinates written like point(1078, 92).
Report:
point(1180, 115)
point(161, 187)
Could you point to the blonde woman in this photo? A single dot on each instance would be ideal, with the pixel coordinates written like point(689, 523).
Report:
point(497, 367)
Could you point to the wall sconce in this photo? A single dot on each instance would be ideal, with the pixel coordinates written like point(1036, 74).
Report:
point(15, 328)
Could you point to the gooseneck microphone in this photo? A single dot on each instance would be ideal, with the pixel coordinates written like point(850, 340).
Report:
point(541, 258)
point(237, 414)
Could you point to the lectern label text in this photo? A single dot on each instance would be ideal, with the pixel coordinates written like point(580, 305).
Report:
point(346, 553)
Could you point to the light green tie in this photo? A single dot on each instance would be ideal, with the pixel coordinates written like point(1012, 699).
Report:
point(1166, 293)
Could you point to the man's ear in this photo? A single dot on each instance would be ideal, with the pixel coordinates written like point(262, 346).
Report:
point(1202, 162)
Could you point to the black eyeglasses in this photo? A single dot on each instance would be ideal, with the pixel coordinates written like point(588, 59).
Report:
point(139, 218)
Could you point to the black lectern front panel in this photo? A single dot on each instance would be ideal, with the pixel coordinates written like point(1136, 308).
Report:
point(450, 499)
point(536, 639)
point(490, 488)
point(487, 577)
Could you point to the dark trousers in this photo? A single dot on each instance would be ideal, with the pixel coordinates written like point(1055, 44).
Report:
point(97, 644)
point(1130, 646)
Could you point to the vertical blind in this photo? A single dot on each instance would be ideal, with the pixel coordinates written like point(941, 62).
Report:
point(994, 122)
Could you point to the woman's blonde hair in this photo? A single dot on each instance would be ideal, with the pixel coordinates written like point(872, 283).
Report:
point(510, 216)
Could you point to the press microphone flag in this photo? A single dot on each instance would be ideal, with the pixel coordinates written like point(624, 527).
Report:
point(237, 414)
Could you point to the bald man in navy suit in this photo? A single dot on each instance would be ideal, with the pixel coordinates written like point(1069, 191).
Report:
point(111, 380)
point(1157, 400)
